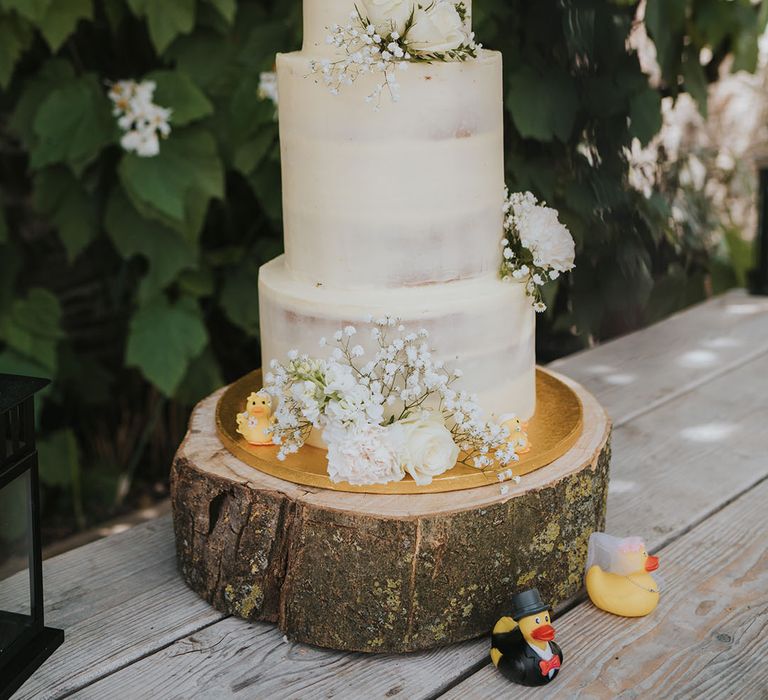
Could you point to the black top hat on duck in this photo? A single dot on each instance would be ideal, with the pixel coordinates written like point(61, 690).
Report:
point(522, 645)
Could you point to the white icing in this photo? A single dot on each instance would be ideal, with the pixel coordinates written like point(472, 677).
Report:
point(408, 195)
point(483, 326)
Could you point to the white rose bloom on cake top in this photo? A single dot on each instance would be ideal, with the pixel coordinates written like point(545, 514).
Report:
point(425, 445)
point(436, 29)
point(389, 15)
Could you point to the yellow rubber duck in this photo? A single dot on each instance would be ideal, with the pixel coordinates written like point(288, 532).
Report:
point(619, 577)
point(517, 433)
point(255, 422)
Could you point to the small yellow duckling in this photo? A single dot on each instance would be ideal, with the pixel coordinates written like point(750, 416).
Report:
point(619, 577)
point(254, 423)
point(517, 432)
point(522, 646)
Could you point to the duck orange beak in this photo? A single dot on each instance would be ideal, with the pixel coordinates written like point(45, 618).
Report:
point(545, 633)
point(651, 563)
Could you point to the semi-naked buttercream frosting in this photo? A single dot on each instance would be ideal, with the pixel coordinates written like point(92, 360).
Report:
point(398, 212)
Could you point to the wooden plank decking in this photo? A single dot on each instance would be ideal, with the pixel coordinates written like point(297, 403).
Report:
point(689, 399)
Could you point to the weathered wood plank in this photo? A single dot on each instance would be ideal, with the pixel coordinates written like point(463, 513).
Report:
point(707, 638)
point(653, 450)
point(639, 371)
point(117, 600)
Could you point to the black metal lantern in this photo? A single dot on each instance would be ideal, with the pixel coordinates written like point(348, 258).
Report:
point(758, 278)
point(25, 642)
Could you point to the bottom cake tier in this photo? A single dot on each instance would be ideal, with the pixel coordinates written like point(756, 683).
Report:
point(485, 327)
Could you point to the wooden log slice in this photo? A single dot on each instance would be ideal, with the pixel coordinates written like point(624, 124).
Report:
point(382, 573)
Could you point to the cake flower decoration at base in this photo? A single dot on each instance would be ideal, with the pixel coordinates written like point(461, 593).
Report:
point(537, 247)
point(383, 413)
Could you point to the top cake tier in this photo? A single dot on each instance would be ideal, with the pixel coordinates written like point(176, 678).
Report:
point(321, 14)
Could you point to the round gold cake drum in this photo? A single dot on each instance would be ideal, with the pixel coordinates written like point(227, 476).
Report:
point(552, 431)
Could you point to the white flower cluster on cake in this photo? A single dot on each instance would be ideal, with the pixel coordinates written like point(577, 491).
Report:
point(537, 247)
point(395, 413)
point(139, 117)
point(385, 35)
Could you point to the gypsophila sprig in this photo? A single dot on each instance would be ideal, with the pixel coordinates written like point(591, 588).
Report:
point(381, 41)
point(143, 122)
point(384, 412)
point(537, 248)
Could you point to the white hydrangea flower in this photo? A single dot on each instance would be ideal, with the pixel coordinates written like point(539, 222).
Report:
point(361, 455)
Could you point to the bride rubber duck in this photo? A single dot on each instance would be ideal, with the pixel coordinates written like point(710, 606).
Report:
point(619, 578)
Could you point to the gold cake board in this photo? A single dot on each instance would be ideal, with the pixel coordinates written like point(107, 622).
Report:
point(553, 431)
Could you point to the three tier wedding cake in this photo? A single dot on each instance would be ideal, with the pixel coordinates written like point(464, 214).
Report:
point(405, 302)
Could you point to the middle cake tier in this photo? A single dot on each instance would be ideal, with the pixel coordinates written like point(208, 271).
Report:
point(407, 195)
point(484, 326)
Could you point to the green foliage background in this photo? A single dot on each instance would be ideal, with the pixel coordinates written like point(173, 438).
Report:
point(132, 281)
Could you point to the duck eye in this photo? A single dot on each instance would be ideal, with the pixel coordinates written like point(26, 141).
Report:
point(538, 620)
point(546, 619)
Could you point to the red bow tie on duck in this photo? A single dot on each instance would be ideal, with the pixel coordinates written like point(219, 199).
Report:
point(551, 665)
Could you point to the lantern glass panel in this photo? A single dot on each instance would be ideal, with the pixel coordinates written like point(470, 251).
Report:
point(16, 606)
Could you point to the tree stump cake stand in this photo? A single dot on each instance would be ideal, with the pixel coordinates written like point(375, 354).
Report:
point(382, 573)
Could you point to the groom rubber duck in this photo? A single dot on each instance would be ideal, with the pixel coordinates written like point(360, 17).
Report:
point(522, 645)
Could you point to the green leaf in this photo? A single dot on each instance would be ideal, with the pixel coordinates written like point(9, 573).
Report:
point(226, 8)
point(166, 19)
point(73, 124)
point(61, 19)
point(253, 151)
point(32, 327)
point(665, 22)
point(645, 115)
point(240, 297)
point(164, 250)
point(176, 90)
point(33, 10)
point(543, 106)
point(3, 228)
point(164, 339)
point(15, 37)
point(196, 283)
point(176, 185)
point(202, 379)
point(59, 458)
point(60, 197)
point(36, 89)
point(695, 81)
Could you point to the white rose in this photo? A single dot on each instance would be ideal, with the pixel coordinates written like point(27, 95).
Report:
point(425, 445)
point(389, 15)
point(436, 29)
point(361, 456)
point(549, 241)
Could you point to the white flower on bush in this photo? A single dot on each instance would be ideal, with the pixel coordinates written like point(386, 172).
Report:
point(426, 447)
point(267, 89)
point(389, 15)
point(549, 241)
point(361, 455)
point(437, 29)
point(143, 122)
